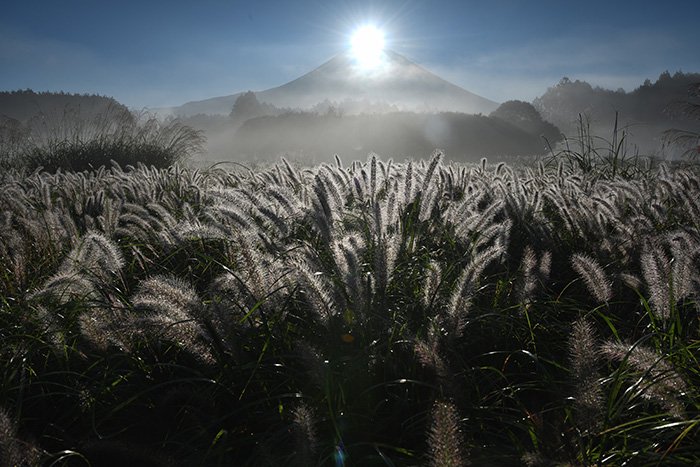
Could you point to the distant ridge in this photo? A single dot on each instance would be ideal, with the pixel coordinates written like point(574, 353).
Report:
point(24, 104)
point(398, 82)
point(213, 106)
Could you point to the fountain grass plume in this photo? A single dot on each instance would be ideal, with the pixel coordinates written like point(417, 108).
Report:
point(408, 184)
point(14, 451)
point(657, 381)
point(528, 282)
point(656, 270)
point(305, 437)
point(593, 276)
point(445, 439)
point(588, 393)
point(96, 256)
point(166, 308)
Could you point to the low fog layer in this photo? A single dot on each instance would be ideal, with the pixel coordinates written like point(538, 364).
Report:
point(402, 110)
point(314, 137)
point(353, 126)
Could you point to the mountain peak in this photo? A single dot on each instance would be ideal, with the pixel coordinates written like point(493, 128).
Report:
point(397, 81)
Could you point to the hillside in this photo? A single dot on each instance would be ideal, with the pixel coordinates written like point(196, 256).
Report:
point(647, 110)
point(24, 104)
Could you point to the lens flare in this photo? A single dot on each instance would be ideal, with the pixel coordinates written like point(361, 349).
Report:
point(367, 46)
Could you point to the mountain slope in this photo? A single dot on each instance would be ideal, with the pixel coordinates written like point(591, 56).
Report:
point(398, 82)
point(214, 106)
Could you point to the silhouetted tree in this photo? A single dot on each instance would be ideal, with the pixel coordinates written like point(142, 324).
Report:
point(524, 116)
point(245, 107)
point(646, 105)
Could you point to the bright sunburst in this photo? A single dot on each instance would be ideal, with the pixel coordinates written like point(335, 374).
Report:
point(368, 46)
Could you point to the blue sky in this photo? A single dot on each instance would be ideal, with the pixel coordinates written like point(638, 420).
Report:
point(159, 53)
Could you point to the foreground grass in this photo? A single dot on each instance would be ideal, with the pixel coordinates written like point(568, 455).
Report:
point(379, 314)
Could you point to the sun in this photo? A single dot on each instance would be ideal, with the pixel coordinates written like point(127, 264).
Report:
point(367, 46)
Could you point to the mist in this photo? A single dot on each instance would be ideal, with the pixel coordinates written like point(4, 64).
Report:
point(314, 138)
point(401, 110)
point(398, 110)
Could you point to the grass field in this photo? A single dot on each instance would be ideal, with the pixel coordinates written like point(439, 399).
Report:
point(395, 314)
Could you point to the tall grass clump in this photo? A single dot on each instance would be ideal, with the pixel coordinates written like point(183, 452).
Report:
point(74, 142)
point(605, 157)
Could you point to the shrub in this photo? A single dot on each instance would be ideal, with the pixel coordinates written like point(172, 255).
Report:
point(596, 155)
point(76, 143)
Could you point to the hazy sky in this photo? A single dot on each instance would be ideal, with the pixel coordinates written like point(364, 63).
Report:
point(158, 53)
